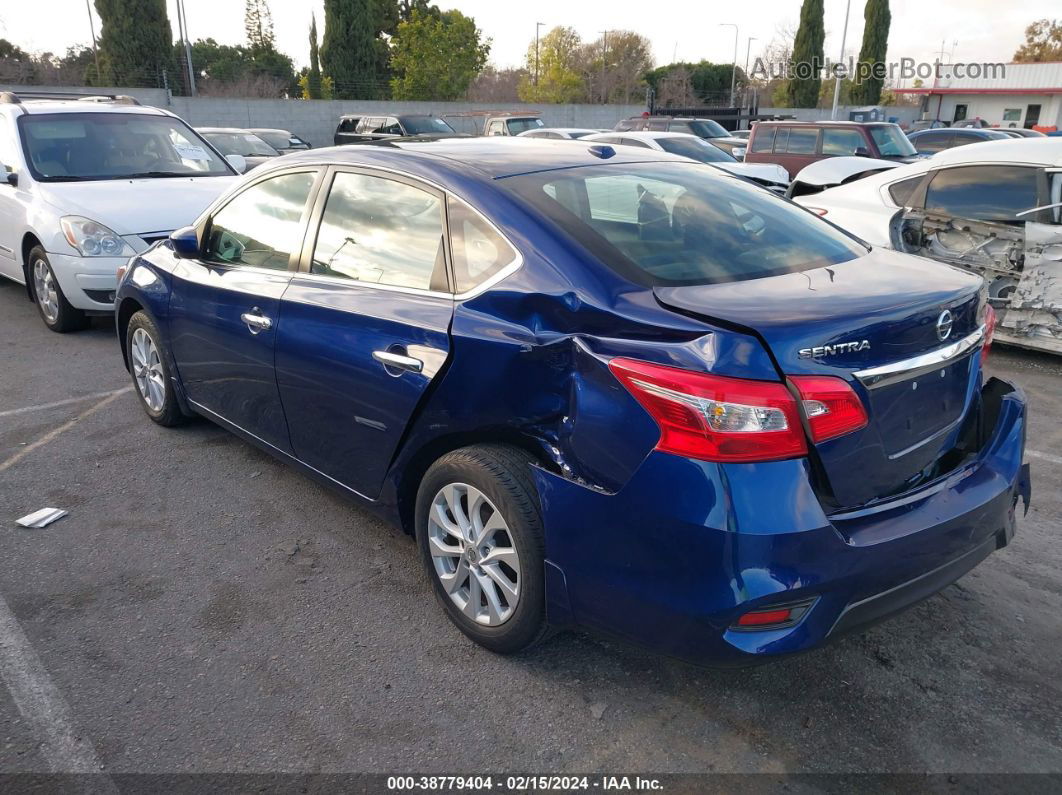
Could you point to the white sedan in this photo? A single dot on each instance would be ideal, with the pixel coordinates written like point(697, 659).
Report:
point(558, 133)
point(994, 208)
point(769, 175)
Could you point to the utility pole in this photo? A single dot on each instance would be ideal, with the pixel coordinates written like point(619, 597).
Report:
point(182, 26)
point(733, 72)
point(92, 30)
point(604, 54)
point(748, 49)
point(537, 26)
point(840, 60)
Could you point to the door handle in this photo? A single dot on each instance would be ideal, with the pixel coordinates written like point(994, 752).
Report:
point(398, 361)
point(256, 321)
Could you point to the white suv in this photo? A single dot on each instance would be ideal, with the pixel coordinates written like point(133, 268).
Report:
point(87, 183)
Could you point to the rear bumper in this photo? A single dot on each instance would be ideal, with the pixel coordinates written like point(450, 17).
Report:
point(674, 558)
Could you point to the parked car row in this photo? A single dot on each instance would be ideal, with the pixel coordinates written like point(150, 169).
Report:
point(609, 382)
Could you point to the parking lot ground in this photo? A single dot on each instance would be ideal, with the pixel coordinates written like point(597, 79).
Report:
point(204, 608)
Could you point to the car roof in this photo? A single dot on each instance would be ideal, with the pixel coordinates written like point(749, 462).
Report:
point(230, 130)
point(825, 123)
point(41, 106)
point(562, 129)
point(1043, 151)
point(268, 130)
point(493, 157)
point(652, 135)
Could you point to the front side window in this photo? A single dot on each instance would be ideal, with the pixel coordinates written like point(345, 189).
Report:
point(245, 144)
point(983, 193)
point(479, 251)
point(495, 128)
point(277, 140)
point(381, 231)
point(517, 126)
point(682, 223)
point(427, 125)
point(696, 149)
point(69, 147)
point(707, 128)
point(842, 142)
point(891, 141)
point(261, 227)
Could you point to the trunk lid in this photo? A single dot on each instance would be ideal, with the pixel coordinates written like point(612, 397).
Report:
point(864, 315)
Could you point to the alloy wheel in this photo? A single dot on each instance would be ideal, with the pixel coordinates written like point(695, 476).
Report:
point(44, 287)
point(473, 554)
point(147, 370)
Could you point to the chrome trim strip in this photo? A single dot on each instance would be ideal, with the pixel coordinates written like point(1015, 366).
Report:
point(905, 368)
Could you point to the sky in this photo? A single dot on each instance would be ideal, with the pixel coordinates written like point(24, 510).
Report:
point(968, 30)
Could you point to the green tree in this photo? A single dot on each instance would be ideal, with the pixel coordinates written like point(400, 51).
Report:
point(802, 88)
point(436, 56)
point(1043, 42)
point(553, 76)
point(350, 53)
point(709, 82)
point(232, 70)
point(313, 76)
point(870, 71)
point(258, 23)
point(136, 42)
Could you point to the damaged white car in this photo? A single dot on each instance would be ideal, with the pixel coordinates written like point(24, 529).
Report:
point(994, 208)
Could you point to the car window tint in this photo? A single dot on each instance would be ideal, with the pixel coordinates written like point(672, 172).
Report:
point(678, 126)
point(763, 140)
point(262, 226)
point(381, 231)
point(986, 193)
point(901, 191)
point(479, 251)
point(659, 125)
point(781, 139)
point(802, 141)
point(842, 142)
point(683, 223)
point(932, 141)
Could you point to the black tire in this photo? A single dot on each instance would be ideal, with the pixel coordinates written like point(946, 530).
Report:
point(503, 475)
point(168, 413)
point(62, 317)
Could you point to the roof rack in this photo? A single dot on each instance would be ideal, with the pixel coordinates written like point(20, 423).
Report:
point(12, 98)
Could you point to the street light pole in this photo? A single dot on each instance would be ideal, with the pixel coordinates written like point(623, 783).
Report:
point(182, 25)
point(733, 71)
point(92, 30)
point(837, 79)
point(748, 49)
point(537, 26)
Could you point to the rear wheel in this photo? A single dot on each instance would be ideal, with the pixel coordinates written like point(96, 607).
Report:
point(151, 372)
point(481, 541)
point(55, 310)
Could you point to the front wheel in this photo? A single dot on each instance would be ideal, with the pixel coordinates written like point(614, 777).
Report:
point(151, 371)
point(481, 541)
point(56, 312)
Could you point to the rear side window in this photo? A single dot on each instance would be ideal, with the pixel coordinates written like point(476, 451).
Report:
point(381, 231)
point(781, 139)
point(934, 141)
point(679, 223)
point(841, 142)
point(763, 140)
point(262, 226)
point(983, 193)
point(901, 191)
point(348, 125)
point(802, 141)
point(479, 252)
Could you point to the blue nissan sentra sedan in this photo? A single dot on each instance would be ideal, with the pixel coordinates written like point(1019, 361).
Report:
point(601, 387)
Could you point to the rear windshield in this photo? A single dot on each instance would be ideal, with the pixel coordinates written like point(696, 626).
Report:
point(683, 223)
point(425, 125)
point(696, 149)
point(277, 140)
point(891, 141)
point(517, 126)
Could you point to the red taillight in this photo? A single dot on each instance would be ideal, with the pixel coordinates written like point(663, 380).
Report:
point(831, 406)
point(819, 211)
point(990, 329)
point(712, 417)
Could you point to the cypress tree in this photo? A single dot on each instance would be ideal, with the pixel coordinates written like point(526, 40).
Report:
point(806, 63)
point(313, 80)
point(135, 42)
point(349, 54)
point(871, 66)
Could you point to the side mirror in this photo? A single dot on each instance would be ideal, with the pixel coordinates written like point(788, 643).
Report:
point(185, 242)
point(739, 152)
point(862, 151)
point(238, 162)
point(10, 177)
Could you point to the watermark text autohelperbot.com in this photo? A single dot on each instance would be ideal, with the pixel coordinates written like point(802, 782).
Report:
point(904, 69)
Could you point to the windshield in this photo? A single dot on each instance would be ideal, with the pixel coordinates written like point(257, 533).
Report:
point(706, 128)
point(66, 147)
point(244, 144)
point(277, 140)
point(695, 149)
point(679, 223)
point(891, 141)
point(425, 125)
point(517, 126)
